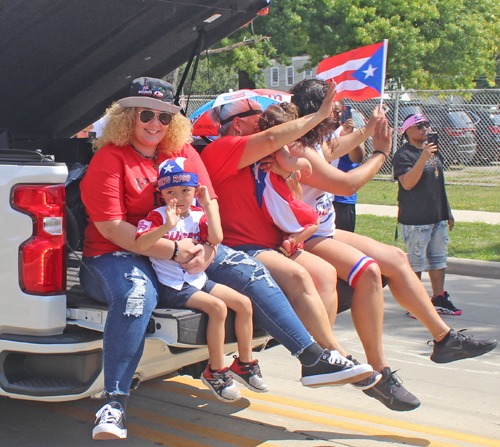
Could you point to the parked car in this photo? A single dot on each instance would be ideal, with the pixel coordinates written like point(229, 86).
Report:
point(487, 122)
point(457, 141)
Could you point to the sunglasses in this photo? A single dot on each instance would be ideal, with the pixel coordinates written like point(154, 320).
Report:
point(421, 126)
point(146, 116)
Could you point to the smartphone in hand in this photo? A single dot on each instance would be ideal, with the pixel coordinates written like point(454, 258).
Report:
point(346, 113)
point(433, 137)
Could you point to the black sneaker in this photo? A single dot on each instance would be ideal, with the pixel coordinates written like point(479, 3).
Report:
point(221, 384)
point(443, 305)
point(249, 374)
point(391, 393)
point(110, 422)
point(331, 368)
point(367, 383)
point(458, 346)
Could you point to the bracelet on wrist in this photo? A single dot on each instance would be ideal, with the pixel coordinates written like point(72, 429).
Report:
point(210, 244)
point(176, 251)
point(380, 152)
point(362, 132)
point(214, 246)
point(290, 177)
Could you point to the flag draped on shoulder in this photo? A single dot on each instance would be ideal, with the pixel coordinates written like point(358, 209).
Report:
point(359, 73)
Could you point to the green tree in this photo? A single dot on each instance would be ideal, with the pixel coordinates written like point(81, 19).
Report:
point(236, 59)
point(432, 44)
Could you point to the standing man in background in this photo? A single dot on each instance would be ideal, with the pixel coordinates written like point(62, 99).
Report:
point(424, 212)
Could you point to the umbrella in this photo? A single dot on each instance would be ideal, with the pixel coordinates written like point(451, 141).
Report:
point(204, 126)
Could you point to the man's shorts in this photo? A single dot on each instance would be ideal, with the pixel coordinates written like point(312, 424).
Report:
point(175, 299)
point(426, 245)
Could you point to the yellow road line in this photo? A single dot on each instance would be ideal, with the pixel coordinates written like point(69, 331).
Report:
point(133, 429)
point(195, 428)
point(464, 437)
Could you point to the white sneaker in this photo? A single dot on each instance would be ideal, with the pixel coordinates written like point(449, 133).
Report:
point(110, 422)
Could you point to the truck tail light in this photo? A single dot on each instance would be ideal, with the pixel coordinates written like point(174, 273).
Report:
point(494, 129)
point(42, 258)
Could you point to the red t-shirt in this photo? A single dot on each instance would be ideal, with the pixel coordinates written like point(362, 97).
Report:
point(242, 220)
point(121, 185)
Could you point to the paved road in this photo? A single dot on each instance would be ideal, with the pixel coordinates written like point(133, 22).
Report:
point(460, 401)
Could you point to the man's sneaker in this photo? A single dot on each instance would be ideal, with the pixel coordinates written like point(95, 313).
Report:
point(249, 375)
point(458, 345)
point(370, 381)
point(110, 422)
point(391, 392)
point(221, 384)
point(443, 305)
point(331, 368)
point(408, 314)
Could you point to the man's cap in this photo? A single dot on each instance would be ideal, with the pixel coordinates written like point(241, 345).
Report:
point(414, 119)
point(151, 93)
point(176, 172)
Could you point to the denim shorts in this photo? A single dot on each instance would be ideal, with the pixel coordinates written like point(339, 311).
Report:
point(426, 245)
point(173, 298)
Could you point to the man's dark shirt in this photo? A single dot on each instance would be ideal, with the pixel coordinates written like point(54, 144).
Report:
point(426, 202)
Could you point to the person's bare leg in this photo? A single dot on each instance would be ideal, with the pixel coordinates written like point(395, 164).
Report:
point(324, 277)
point(299, 288)
point(437, 281)
point(217, 313)
point(367, 307)
point(243, 324)
point(405, 286)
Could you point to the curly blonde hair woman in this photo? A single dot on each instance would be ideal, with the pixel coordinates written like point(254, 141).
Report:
point(118, 190)
point(119, 130)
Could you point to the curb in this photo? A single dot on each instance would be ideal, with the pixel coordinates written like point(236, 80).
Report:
point(473, 267)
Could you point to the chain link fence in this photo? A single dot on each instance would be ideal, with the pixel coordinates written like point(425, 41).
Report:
point(467, 123)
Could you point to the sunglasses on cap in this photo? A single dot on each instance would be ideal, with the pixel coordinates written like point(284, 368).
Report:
point(423, 125)
point(146, 116)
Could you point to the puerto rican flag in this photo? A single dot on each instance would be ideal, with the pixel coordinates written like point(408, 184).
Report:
point(278, 205)
point(359, 73)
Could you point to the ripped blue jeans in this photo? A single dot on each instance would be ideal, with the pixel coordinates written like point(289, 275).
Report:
point(271, 307)
point(128, 284)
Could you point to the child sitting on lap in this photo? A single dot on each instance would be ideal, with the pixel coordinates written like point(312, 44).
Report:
point(178, 184)
point(281, 199)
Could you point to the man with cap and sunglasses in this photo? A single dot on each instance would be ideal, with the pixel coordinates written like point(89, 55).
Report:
point(424, 211)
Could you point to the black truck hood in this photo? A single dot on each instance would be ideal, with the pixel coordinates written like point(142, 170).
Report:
point(62, 62)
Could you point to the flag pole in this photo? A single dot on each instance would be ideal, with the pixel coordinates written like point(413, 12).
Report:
point(384, 65)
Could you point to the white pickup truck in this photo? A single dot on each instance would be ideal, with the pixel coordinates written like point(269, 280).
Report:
point(62, 63)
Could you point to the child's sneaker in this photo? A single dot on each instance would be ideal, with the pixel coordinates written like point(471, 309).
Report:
point(221, 384)
point(110, 422)
point(249, 375)
point(443, 305)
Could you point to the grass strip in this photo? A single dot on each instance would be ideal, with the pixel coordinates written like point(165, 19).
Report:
point(469, 240)
point(461, 197)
